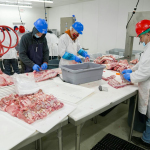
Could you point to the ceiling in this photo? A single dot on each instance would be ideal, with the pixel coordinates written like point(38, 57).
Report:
point(54, 4)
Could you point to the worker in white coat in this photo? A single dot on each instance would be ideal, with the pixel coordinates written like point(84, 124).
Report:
point(140, 74)
point(69, 46)
point(10, 59)
point(52, 42)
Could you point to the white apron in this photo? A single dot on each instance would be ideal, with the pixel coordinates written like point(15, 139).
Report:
point(143, 78)
point(72, 48)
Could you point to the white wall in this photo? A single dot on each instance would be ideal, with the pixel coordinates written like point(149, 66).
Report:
point(104, 22)
point(8, 15)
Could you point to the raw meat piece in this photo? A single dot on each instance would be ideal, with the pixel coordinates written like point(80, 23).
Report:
point(2, 81)
point(135, 61)
point(111, 77)
point(1, 71)
point(13, 109)
point(44, 75)
point(5, 79)
point(87, 59)
point(28, 116)
point(114, 83)
point(9, 80)
point(30, 107)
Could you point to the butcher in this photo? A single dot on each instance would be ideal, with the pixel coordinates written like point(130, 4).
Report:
point(33, 50)
point(69, 46)
point(140, 74)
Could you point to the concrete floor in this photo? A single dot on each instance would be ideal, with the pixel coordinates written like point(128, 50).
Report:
point(115, 123)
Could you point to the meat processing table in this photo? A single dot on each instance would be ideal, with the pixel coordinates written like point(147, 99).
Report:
point(98, 102)
point(37, 137)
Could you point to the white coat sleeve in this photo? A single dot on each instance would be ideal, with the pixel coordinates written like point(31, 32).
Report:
point(134, 68)
point(143, 72)
point(62, 45)
point(78, 45)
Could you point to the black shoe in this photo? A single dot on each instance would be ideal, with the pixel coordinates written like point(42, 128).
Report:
point(140, 142)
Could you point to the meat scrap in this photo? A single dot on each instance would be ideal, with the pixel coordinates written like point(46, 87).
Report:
point(112, 64)
point(108, 78)
point(30, 108)
point(5, 79)
point(114, 83)
point(87, 59)
point(135, 61)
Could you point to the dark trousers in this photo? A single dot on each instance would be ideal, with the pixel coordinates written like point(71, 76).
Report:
point(9, 64)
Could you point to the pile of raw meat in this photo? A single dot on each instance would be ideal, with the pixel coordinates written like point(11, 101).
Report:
point(113, 64)
point(114, 83)
point(30, 107)
point(5, 79)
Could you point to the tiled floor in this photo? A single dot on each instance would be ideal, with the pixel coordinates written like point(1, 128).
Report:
point(115, 123)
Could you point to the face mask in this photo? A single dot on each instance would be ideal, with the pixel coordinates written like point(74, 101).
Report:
point(75, 35)
point(36, 36)
point(144, 44)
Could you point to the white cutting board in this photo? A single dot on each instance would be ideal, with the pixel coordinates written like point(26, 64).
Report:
point(13, 131)
point(54, 118)
point(66, 92)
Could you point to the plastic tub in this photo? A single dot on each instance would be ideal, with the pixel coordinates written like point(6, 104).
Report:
point(82, 73)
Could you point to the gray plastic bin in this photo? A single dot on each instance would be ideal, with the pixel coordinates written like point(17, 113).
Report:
point(82, 73)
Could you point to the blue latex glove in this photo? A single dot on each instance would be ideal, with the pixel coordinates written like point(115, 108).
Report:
point(83, 53)
point(127, 76)
point(36, 67)
point(44, 66)
point(87, 55)
point(127, 71)
point(77, 59)
point(70, 56)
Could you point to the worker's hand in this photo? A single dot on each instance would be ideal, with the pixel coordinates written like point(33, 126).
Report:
point(36, 67)
point(126, 71)
point(127, 76)
point(87, 55)
point(44, 66)
point(77, 59)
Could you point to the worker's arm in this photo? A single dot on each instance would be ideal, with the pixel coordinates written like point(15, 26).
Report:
point(143, 72)
point(23, 47)
point(62, 45)
point(45, 52)
point(134, 68)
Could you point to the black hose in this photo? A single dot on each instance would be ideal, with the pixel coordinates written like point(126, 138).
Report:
point(133, 13)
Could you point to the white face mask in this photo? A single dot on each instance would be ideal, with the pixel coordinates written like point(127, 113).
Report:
point(143, 42)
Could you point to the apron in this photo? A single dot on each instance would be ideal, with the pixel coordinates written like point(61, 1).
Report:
point(35, 53)
point(72, 48)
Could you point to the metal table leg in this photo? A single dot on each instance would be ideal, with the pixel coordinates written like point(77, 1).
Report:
point(131, 130)
point(95, 119)
point(36, 145)
point(40, 144)
point(59, 135)
point(78, 135)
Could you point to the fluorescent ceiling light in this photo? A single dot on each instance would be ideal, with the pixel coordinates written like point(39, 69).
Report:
point(15, 4)
point(46, 1)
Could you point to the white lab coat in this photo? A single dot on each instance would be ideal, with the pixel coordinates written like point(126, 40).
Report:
point(66, 44)
point(12, 53)
point(52, 42)
point(142, 76)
